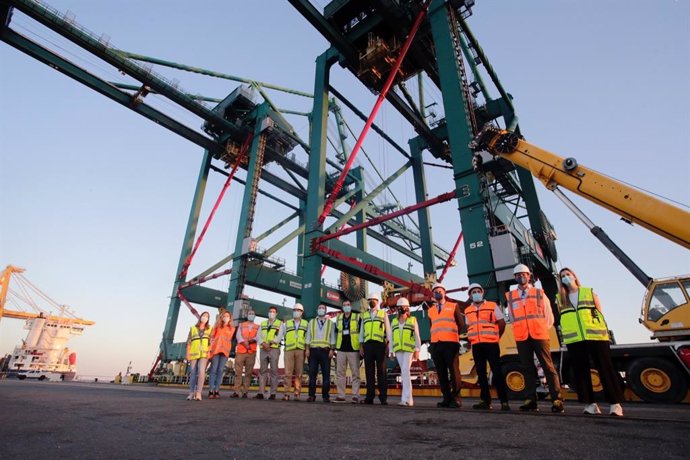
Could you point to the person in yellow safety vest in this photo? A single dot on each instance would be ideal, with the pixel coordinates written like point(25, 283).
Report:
point(530, 313)
point(320, 350)
point(347, 330)
point(485, 326)
point(586, 336)
point(404, 347)
point(198, 341)
point(295, 334)
point(446, 322)
point(376, 333)
point(245, 354)
point(270, 336)
point(219, 352)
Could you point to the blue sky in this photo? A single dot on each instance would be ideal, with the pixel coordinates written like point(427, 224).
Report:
point(95, 198)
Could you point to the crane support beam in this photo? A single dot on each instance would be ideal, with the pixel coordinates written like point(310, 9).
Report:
point(64, 66)
point(386, 217)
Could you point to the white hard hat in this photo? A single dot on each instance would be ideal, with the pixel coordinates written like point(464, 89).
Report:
point(403, 302)
point(475, 286)
point(298, 306)
point(521, 268)
point(374, 296)
point(438, 285)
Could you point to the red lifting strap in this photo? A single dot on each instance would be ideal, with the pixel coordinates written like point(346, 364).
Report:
point(386, 87)
point(240, 156)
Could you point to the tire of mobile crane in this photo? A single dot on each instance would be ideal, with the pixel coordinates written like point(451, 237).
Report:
point(596, 383)
point(515, 380)
point(656, 380)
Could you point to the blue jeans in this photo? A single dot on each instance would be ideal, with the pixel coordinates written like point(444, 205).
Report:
point(215, 374)
point(197, 374)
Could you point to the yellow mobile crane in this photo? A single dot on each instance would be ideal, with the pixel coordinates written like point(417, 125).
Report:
point(656, 372)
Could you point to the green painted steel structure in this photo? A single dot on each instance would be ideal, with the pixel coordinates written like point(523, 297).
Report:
point(445, 48)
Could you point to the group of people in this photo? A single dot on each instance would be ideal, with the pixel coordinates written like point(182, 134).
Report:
point(371, 336)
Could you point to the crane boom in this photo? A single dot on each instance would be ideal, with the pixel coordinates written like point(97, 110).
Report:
point(633, 205)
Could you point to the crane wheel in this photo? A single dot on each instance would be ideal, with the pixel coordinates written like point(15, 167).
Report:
point(658, 381)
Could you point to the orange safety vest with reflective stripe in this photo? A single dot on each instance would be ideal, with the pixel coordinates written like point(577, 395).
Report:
point(443, 325)
point(248, 331)
point(528, 315)
point(481, 323)
point(221, 340)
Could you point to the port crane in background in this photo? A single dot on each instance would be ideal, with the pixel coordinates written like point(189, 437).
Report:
point(43, 354)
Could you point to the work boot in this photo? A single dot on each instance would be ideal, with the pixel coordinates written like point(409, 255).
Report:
point(245, 395)
point(355, 400)
point(453, 405)
point(235, 395)
point(272, 397)
point(529, 405)
point(259, 396)
point(557, 406)
point(505, 406)
point(616, 410)
point(482, 405)
point(311, 399)
point(340, 400)
point(211, 395)
point(442, 404)
point(592, 409)
point(286, 397)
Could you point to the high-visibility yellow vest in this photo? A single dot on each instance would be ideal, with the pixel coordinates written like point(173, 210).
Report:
point(374, 329)
point(404, 340)
point(354, 331)
point(295, 336)
point(268, 333)
point(199, 342)
point(481, 323)
point(582, 321)
point(325, 341)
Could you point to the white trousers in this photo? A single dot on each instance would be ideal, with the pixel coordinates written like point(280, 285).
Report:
point(405, 361)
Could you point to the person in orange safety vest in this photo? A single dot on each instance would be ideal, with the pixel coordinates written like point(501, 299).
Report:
point(485, 326)
point(219, 352)
point(531, 316)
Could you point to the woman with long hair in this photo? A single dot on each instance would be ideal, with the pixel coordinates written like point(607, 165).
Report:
point(198, 342)
point(219, 352)
point(586, 335)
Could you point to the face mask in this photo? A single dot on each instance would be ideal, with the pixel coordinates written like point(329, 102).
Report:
point(297, 314)
point(438, 295)
point(522, 279)
point(272, 315)
point(567, 280)
point(204, 319)
point(251, 316)
point(226, 320)
point(321, 311)
point(347, 308)
point(477, 297)
point(372, 303)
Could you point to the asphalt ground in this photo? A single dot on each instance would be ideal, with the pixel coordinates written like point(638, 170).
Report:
point(82, 420)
